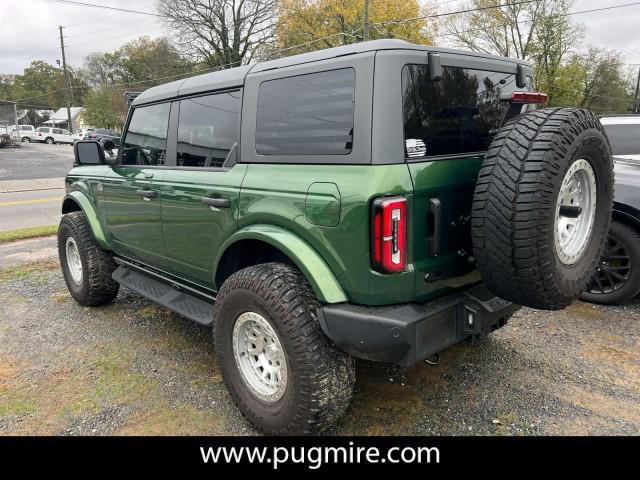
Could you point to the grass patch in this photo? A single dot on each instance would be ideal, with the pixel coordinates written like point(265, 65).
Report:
point(31, 232)
point(34, 270)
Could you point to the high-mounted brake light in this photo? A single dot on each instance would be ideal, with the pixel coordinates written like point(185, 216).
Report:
point(529, 97)
point(389, 234)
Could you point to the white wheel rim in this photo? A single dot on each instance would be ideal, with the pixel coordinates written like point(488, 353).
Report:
point(74, 263)
point(575, 212)
point(259, 357)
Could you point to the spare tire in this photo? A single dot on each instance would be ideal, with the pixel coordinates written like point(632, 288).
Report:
point(542, 206)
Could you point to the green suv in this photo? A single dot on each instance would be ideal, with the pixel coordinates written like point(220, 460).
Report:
point(381, 201)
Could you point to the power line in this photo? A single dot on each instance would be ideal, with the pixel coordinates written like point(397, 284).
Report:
point(105, 7)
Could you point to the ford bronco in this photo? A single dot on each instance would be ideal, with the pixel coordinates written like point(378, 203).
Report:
point(380, 201)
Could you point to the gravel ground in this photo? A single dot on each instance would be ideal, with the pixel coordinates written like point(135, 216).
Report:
point(134, 368)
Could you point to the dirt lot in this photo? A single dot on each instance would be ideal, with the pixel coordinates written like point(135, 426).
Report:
point(135, 368)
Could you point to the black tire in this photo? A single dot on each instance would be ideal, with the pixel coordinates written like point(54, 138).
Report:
point(514, 206)
point(26, 140)
point(320, 377)
point(617, 279)
point(49, 141)
point(96, 286)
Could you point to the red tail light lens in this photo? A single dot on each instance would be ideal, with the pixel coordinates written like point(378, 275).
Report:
point(529, 97)
point(389, 234)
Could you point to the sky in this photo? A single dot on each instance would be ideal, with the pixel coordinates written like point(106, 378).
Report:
point(29, 28)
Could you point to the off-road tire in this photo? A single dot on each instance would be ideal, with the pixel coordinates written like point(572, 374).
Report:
point(97, 287)
point(514, 206)
point(630, 239)
point(320, 377)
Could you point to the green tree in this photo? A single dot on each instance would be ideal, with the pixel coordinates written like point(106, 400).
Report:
point(105, 108)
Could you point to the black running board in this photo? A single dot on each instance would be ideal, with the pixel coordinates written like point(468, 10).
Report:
point(166, 293)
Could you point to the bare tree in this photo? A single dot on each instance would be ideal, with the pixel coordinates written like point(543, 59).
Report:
point(221, 33)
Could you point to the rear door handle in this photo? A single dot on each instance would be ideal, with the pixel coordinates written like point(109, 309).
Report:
point(217, 202)
point(147, 193)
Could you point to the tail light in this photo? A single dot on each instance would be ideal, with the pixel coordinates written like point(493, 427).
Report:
point(389, 234)
point(529, 97)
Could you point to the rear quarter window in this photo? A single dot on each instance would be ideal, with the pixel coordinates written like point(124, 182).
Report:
point(452, 116)
point(309, 114)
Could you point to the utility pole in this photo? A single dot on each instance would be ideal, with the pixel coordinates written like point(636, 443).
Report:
point(366, 21)
point(636, 103)
point(66, 82)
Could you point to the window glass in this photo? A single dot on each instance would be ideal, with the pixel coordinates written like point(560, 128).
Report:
point(208, 129)
point(66, 132)
point(57, 131)
point(146, 140)
point(454, 115)
point(624, 139)
point(306, 115)
point(42, 129)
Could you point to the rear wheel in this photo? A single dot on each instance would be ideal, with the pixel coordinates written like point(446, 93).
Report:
point(26, 140)
point(49, 141)
point(617, 276)
point(542, 207)
point(282, 372)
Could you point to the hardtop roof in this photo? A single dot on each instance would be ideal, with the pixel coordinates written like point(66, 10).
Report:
point(234, 77)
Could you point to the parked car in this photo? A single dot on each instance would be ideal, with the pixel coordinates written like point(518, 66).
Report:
point(82, 133)
point(617, 277)
point(53, 135)
point(310, 218)
point(108, 138)
point(26, 133)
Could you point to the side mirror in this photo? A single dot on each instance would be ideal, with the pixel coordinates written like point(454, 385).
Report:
point(88, 152)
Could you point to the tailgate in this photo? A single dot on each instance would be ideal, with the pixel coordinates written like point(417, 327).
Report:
point(442, 255)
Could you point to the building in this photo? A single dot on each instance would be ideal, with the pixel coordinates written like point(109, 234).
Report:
point(59, 118)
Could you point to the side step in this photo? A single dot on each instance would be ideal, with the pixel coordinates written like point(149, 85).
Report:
point(166, 294)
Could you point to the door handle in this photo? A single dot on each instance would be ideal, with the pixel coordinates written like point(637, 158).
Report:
point(217, 202)
point(435, 226)
point(147, 193)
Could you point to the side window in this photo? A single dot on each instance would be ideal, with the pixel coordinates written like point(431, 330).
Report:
point(66, 132)
point(454, 115)
point(308, 114)
point(146, 140)
point(57, 131)
point(208, 129)
point(624, 138)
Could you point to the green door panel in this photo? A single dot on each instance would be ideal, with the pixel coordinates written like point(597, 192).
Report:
point(322, 280)
point(276, 194)
point(193, 232)
point(452, 182)
point(322, 204)
point(134, 222)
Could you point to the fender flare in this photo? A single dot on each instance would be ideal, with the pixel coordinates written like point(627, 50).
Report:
point(89, 210)
point(323, 282)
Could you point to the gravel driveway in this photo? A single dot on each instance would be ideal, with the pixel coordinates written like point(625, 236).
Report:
point(134, 368)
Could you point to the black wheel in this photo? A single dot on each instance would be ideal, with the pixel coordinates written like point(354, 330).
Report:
point(282, 372)
point(49, 141)
point(542, 207)
point(87, 268)
point(26, 140)
point(617, 276)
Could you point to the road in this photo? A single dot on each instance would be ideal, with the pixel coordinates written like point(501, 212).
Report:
point(32, 184)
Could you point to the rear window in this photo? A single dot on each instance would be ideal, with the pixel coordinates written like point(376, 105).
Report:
point(308, 114)
point(208, 129)
point(455, 115)
point(624, 139)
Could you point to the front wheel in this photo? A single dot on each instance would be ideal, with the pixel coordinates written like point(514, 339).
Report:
point(87, 268)
point(26, 140)
point(282, 372)
point(49, 141)
point(617, 277)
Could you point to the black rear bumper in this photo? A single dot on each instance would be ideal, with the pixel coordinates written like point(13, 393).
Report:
point(408, 333)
